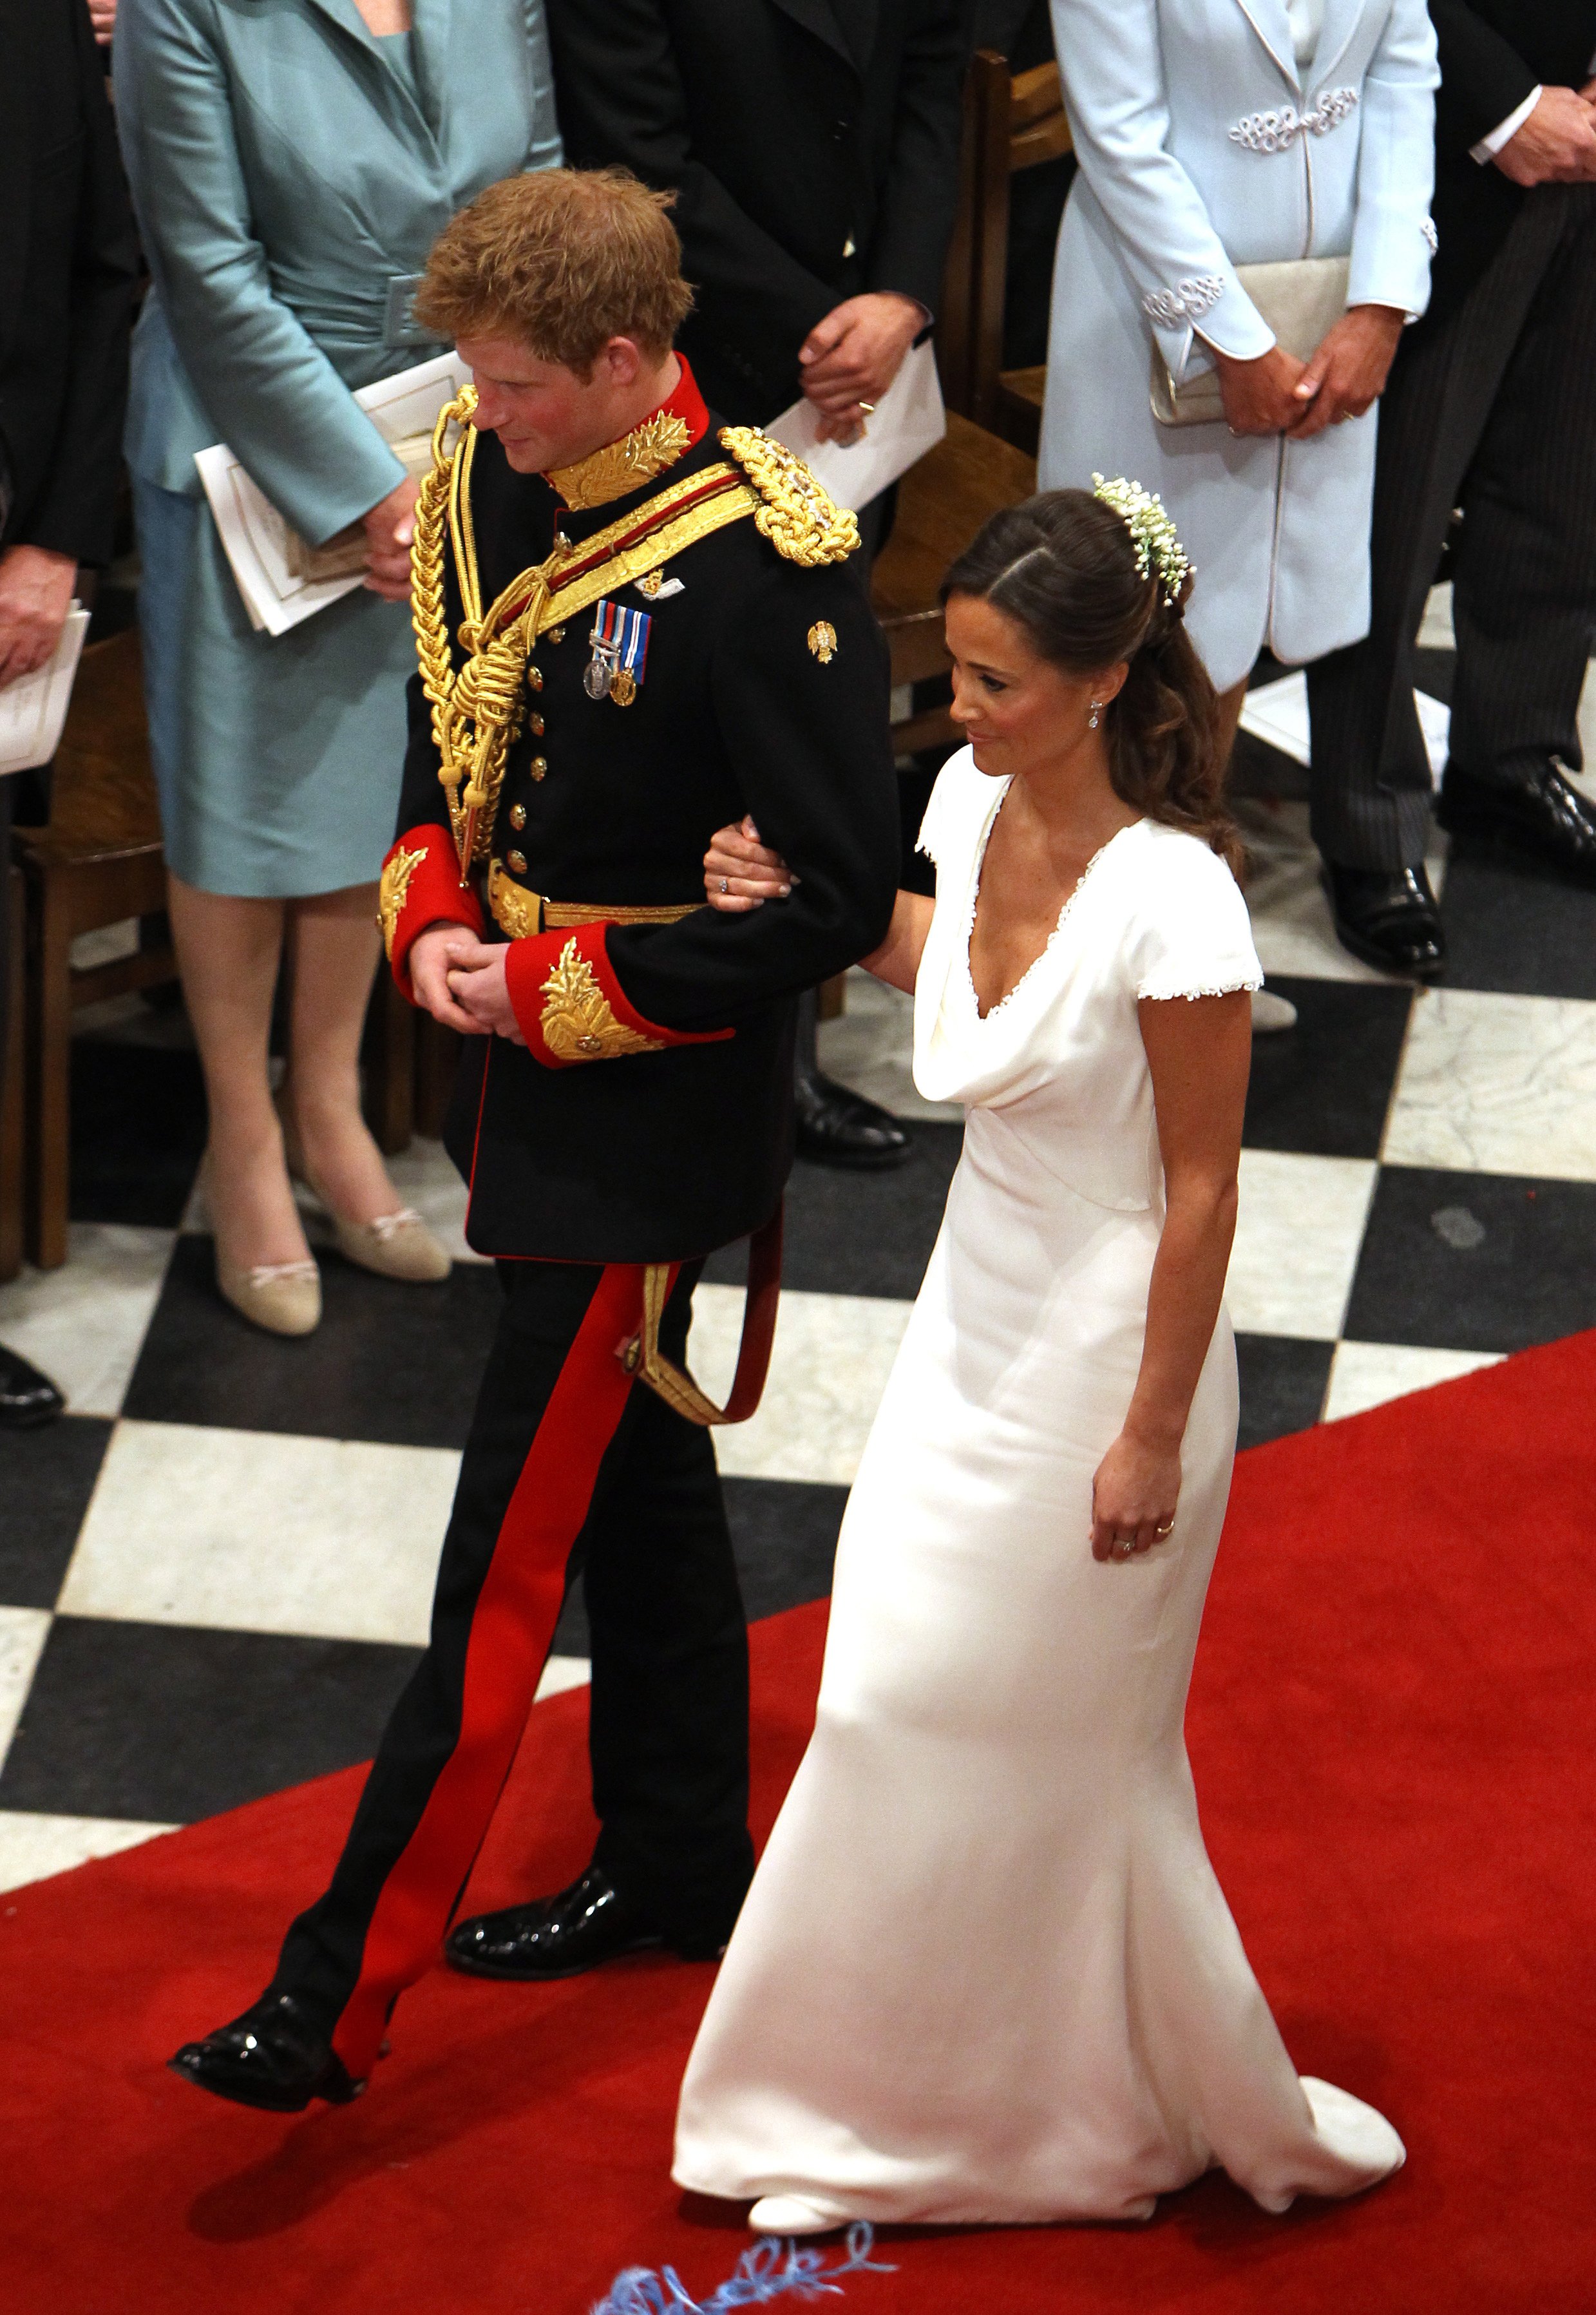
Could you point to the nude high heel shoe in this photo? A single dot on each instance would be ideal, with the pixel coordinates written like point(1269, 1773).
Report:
point(284, 1298)
point(394, 1246)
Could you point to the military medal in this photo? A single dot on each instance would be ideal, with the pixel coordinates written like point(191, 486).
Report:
point(619, 641)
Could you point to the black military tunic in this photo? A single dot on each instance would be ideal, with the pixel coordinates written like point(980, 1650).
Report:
point(691, 646)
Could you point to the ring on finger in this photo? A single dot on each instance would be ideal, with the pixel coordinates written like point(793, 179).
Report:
point(724, 886)
point(1124, 1545)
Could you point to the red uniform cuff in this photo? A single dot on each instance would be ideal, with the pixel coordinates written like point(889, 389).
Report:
point(420, 886)
point(570, 1006)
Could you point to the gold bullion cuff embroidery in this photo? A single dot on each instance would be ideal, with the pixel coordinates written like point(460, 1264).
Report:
point(393, 889)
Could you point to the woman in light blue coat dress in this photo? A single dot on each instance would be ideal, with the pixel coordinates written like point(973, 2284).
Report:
point(291, 163)
point(1213, 134)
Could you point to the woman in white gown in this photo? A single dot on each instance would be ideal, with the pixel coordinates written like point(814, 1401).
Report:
point(985, 1972)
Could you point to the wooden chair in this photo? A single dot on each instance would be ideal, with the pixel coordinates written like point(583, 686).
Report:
point(12, 1092)
point(97, 863)
point(1010, 124)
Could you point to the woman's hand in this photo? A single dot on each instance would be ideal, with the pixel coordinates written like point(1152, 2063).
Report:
point(741, 873)
point(1261, 396)
point(390, 527)
point(1133, 1497)
point(1347, 374)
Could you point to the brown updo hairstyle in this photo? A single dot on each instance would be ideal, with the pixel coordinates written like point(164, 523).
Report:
point(1062, 565)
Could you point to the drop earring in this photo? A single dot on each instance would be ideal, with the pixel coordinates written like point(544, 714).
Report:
point(1093, 718)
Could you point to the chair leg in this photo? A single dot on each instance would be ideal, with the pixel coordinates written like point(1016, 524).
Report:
point(49, 1063)
point(390, 1067)
point(13, 1096)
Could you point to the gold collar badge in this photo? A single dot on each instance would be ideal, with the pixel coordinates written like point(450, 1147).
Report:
point(627, 464)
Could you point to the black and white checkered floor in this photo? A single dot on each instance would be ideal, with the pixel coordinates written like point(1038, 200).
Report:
point(215, 1572)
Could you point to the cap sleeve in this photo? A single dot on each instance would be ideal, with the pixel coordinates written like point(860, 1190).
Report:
point(944, 827)
point(1191, 936)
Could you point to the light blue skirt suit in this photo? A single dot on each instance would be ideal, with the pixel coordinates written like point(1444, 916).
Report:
point(290, 172)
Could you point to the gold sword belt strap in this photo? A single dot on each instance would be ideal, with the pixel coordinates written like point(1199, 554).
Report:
point(521, 913)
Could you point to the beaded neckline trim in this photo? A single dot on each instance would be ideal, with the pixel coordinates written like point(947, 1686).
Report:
point(1064, 913)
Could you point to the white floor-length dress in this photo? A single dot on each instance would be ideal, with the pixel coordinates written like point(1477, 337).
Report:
point(985, 1972)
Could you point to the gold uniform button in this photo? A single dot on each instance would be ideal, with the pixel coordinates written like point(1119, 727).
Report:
point(537, 766)
point(517, 815)
point(516, 862)
point(535, 679)
point(535, 724)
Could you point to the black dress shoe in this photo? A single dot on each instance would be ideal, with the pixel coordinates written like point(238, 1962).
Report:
point(560, 1937)
point(1527, 799)
point(271, 2057)
point(1388, 918)
point(27, 1398)
point(840, 1127)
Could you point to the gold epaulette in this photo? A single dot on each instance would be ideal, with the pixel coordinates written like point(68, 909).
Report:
point(798, 516)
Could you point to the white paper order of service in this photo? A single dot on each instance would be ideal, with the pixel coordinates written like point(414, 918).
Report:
point(255, 535)
point(33, 709)
point(906, 421)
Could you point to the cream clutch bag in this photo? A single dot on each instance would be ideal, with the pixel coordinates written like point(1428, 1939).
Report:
point(1300, 300)
point(343, 555)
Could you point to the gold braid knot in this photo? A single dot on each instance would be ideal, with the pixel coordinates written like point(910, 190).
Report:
point(799, 516)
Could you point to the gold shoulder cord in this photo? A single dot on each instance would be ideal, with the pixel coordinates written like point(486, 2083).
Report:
point(799, 516)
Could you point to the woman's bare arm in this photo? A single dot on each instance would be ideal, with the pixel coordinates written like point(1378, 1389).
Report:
point(740, 874)
point(1199, 1051)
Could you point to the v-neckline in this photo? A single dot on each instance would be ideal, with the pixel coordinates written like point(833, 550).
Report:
point(1070, 898)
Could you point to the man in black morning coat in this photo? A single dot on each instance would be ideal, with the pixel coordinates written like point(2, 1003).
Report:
point(813, 147)
point(1491, 405)
point(634, 625)
point(67, 268)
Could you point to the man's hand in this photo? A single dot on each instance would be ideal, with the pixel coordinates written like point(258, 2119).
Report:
point(477, 984)
point(1557, 145)
point(1347, 374)
point(390, 527)
point(433, 955)
point(36, 588)
point(1260, 396)
point(853, 355)
point(102, 17)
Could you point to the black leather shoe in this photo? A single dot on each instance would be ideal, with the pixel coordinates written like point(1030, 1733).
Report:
point(1390, 919)
point(840, 1127)
point(554, 1937)
point(27, 1398)
point(1527, 800)
point(271, 2057)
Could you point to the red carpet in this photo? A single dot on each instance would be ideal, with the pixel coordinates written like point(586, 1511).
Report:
point(1391, 1729)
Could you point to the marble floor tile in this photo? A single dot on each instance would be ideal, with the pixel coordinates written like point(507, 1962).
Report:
point(256, 1532)
point(1291, 922)
point(1297, 1240)
point(33, 1846)
point(84, 1324)
point(388, 1361)
point(831, 1359)
point(1497, 1084)
point(1475, 1262)
point(46, 1479)
point(165, 1724)
point(1283, 1385)
point(22, 1635)
point(871, 1048)
point(1512, 926)
point(1367, 1374)
point(1324, 1088)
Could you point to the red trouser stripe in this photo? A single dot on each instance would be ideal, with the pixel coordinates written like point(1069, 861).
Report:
point(513, 1625)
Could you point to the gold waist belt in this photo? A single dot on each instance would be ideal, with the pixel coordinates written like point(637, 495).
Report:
point(521, 913)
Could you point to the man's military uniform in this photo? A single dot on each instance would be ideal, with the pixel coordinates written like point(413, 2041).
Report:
point(615, 662)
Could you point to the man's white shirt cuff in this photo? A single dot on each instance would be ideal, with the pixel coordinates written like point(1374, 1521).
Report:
point(1489, 147)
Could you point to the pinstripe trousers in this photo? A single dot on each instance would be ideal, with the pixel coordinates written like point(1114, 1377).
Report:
point(1492, 410)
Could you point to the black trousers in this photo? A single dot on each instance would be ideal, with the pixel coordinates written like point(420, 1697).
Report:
point(1494, 411)
point(569, 1468)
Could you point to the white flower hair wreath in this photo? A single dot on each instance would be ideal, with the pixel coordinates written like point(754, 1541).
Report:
point(1157, 540)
